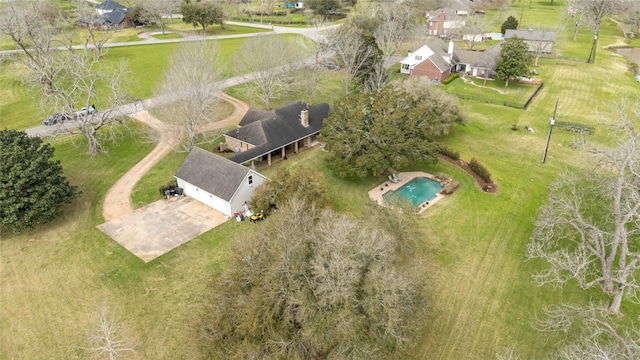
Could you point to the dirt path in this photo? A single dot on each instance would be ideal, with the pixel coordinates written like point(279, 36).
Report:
point(117, 202)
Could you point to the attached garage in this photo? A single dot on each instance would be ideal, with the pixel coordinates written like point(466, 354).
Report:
point(217, 182)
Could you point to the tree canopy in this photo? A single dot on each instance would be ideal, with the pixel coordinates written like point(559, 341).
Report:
point(312, 284)
point(514, 60)
point(202, 13)
point(510, 23)
point(32, 186)
point(304, 184)
point(368, 133)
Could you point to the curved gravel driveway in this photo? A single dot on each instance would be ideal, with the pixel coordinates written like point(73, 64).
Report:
point(117, 202)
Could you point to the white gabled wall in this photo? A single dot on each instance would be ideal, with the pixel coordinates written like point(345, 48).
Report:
point(245, 190)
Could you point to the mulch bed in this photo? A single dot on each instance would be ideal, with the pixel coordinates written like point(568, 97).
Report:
point(490, 187)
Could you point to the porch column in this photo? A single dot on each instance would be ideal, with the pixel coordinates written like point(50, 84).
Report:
point(253, 165)
point(269, 159)
point(295, 147)
point(282, 152)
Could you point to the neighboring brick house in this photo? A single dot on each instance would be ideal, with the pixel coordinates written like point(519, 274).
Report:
point(441, 21)
point(286, 130)
point(436, 61)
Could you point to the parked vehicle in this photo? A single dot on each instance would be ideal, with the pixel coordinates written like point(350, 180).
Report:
point(56, 118)
point(84, 110)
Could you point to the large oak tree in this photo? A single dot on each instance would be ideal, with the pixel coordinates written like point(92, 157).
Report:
point(312, 284)
point(368, 133)
point(588, 229)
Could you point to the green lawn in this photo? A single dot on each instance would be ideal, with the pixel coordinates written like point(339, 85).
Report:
point(482, 297)
point(19, 110)
point(167, 36)
point(494, 92)
point(215, 29)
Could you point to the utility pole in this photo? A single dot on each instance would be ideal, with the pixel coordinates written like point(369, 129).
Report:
point(551, 122)
point(521, 13)
point(592, 54)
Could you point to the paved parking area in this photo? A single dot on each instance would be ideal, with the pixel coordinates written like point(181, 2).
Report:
point(162, 226)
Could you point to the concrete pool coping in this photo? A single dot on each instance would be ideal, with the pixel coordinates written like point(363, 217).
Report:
point(376, 193)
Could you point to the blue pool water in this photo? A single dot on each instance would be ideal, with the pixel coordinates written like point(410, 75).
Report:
point(418, 190)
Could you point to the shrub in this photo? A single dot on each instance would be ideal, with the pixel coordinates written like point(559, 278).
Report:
point(449, 152)
point(480, 170)
point(450, 187)
point(451, 78)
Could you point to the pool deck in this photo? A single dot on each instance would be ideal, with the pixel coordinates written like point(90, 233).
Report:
point(376, 193)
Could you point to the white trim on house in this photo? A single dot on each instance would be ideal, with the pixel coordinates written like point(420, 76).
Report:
point(414, 58)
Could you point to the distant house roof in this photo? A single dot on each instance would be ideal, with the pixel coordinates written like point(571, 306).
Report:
point(270, 130)
point(212, 173)
point(110, 5)
point(450, 14)
point(115, 17)
point(487, 58)
point(531, 35)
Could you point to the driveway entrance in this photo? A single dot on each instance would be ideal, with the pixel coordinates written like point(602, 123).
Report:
point(162, 226)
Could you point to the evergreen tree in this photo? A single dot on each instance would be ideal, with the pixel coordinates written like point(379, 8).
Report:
point(32, 187)
point(514, 60)
point(510, 23)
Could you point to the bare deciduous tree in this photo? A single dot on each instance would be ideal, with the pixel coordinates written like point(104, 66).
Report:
point(351, 51)
point(396, 24)
point(96, 37)
point(587, 229)
point(597, 10)
point(540, 42)
point(469, 35)
point(316, 285)
point(508, 353)
point(577, 15)
point(159, 11)
point(599, 336)
point(271, 63)
point(189, 82)
point(377, 79)
point(25, 23)
point(106, 339)
point(83, 79)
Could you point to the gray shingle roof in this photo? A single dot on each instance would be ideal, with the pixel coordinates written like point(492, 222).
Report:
point(110, 5)
point(277, 128)
point(212, 173)
point(531, 35)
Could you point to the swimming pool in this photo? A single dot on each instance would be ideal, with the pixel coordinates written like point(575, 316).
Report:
point(418, 190)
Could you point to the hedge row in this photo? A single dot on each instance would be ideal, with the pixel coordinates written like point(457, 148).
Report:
point(449, 152)
point(451, 78)
point(480, 170)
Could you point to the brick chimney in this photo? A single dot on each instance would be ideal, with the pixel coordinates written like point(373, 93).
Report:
point(304, 117)
point(441, 18)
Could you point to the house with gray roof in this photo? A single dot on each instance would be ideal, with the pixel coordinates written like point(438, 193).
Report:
point(109, 6)
point(437, 60)
point(217, 182)
point(265, 135)
point(538, 41)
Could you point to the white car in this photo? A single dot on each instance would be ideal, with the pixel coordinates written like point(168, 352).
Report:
point(84, 111)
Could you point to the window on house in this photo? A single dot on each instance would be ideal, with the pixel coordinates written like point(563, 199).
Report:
point(250, 179)
point(405, 66)
point(418, 57)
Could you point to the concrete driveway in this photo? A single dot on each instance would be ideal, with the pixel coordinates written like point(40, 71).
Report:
point(162, 226)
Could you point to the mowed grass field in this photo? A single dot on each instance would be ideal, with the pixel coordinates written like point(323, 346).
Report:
point(482, 298)
point(20, 107)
